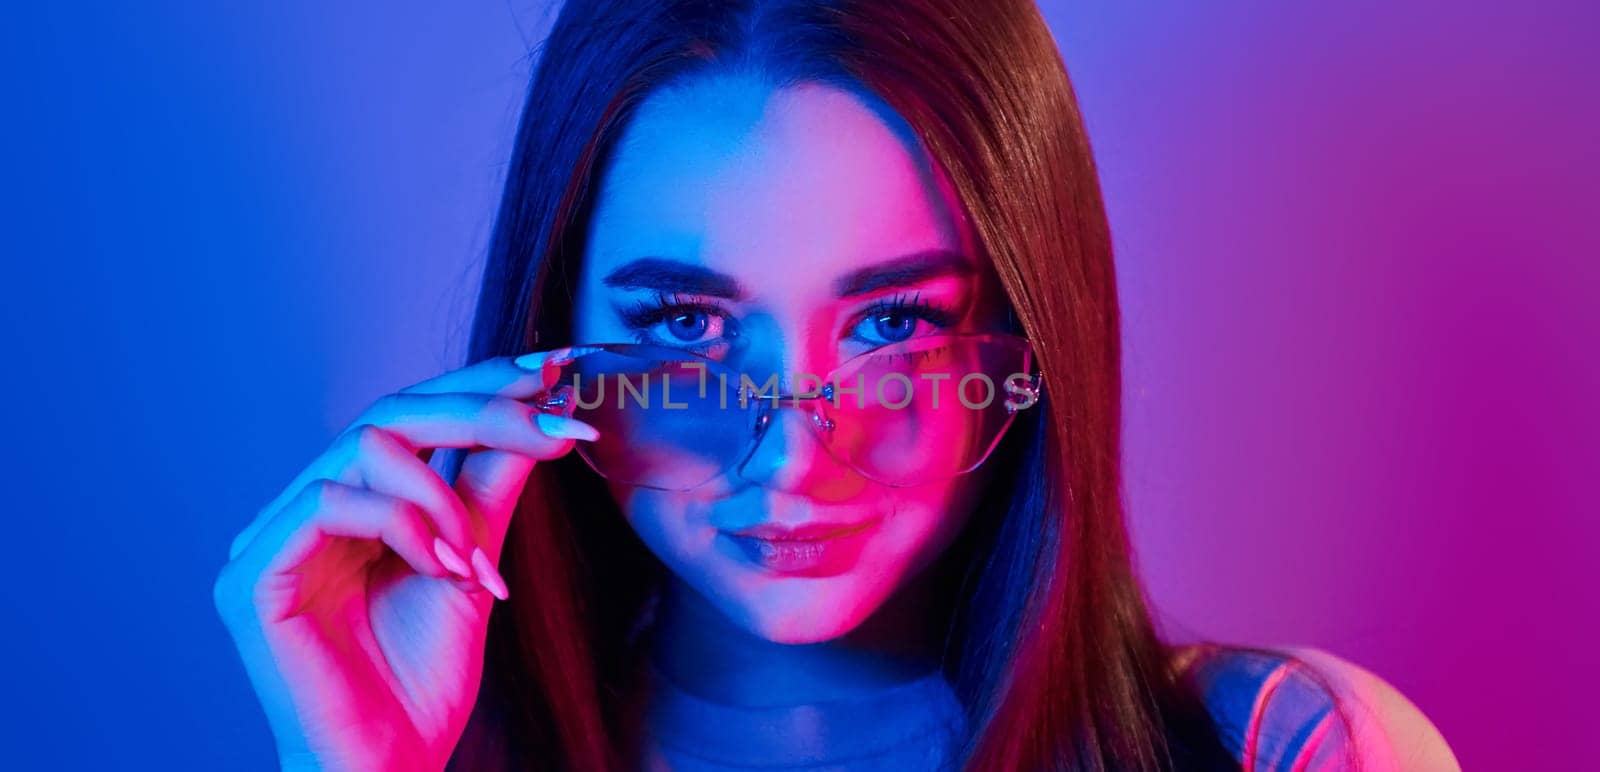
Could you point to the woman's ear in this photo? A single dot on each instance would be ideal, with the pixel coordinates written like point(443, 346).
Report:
point(1387, 730)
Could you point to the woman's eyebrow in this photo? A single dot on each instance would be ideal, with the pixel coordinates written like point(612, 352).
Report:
point(665, 275)
point(903, 271)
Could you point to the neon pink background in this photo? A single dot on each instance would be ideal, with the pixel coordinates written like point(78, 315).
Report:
point(1362, 299)
point(1358, 254)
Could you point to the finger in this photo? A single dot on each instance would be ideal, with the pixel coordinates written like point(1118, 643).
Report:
point(490, 482)
point(515, 378)
point(518, 378)
point(370, 457)
point(319, 515)
point(387, 466)
point(454, 420)
point(469, 420)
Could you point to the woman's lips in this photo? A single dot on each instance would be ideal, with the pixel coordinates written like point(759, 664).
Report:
point(813, 549)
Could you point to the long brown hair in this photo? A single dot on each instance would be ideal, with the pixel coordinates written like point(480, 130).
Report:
point(1050, 647)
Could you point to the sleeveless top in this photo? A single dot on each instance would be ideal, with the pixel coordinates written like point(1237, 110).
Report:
point(1271, 712)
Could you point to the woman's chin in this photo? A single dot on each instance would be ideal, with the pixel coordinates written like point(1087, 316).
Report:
point(802, 630)
point(801, 615)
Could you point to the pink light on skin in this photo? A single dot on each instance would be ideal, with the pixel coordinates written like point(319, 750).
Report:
point(785, 192)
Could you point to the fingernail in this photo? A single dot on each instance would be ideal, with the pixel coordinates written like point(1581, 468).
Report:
point(565, 428)
point(561, 356)
point(488, 576)
point(451, 559)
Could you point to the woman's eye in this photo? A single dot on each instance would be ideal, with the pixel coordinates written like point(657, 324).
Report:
point(891, 327)
point(669, 320)
point(900, 321)
point(690, 326)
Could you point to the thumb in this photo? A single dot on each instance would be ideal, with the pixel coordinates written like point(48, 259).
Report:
point(490, 482)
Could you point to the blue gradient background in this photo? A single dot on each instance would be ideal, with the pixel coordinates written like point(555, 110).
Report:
point(1358, 255)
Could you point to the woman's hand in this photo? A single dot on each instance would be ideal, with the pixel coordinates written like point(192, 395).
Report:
point(359, 598)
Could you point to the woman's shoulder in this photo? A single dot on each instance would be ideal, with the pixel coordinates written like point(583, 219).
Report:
point(1303, 708)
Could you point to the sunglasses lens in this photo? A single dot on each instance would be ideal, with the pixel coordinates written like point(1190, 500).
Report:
point(914, 412)
point(664, 421)
point(928, 409)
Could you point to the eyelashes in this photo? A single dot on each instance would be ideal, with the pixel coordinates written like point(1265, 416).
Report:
point(664, 307)
point(914, 305)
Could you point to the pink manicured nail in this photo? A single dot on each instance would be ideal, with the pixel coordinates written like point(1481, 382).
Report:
point(561, 356)
point(488, 576)
point(565, 428)
point(451, 559)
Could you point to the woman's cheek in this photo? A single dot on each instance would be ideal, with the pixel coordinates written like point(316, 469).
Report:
point(674, 529)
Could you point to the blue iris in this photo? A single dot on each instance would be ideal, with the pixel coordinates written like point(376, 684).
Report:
point(894, 327)
point(688, 327)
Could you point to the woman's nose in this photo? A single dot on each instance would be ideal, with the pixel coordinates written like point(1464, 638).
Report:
point(789, 456)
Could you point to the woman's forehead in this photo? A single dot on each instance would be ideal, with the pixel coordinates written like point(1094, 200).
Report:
point(786, 189)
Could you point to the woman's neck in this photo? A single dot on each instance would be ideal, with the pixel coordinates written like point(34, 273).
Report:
point(702, 652)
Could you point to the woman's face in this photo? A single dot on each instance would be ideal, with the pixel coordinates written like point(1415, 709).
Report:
point(807, 226)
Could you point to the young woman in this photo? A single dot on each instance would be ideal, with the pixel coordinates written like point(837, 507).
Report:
point(802, 220)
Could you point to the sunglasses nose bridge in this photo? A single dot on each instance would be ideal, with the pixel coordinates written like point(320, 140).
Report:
point(807, 401)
